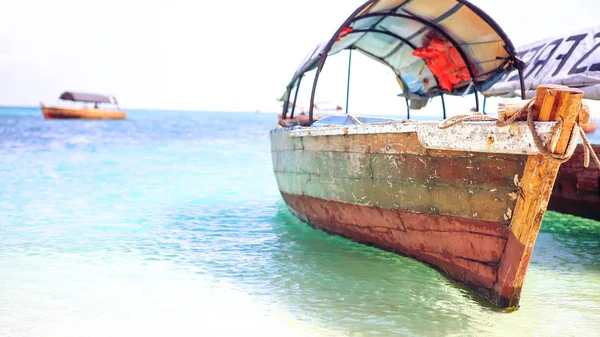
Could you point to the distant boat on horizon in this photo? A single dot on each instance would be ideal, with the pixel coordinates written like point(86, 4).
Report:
point(85, 112)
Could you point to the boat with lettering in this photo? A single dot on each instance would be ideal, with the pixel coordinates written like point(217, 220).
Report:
point(465, 195)
point(570, 60)
point(83, 111)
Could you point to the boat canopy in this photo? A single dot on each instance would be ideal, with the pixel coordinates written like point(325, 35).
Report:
point(87, 97)
point(434, 47)
point(569, 60)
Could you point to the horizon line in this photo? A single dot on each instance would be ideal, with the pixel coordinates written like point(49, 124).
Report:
point(154, 109)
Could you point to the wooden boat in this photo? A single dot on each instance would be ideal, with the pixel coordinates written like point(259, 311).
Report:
point(577, 189)
point(466, 196)
point(59, 112)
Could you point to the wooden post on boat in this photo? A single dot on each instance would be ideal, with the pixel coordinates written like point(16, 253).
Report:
point(552, 103)
point(507, 110)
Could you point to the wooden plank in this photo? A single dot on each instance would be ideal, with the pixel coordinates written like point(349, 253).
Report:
point(485, 137)
point(535, 188)
point(401, 168)
point(393, 228)
point(507, 110)
point(397, 143)
point(433, 222)
point(327, 164)
point(577, 189)
point(482, 136)
point(470, 202)
point(281, 141)
point(340, 143)
point(447, 243)
point(480, 170)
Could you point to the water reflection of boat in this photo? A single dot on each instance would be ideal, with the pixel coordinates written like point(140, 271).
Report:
point(467, 197)
point(567, 60)
point(84, 112)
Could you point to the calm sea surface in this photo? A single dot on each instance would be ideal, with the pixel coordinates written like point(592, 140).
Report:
point(170, 224)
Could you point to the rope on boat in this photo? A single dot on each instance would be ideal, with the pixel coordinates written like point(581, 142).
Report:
point(588, 150)
point(539, 144)
point(354, 119)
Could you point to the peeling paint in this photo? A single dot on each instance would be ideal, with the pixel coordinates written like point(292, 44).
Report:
point(484, 137)
point(468, 136)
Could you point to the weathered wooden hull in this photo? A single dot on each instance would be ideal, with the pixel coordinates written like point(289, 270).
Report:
point(468, 200)
point(577, 189)
point(83, 113)
point(464, 249)
point(449, 209)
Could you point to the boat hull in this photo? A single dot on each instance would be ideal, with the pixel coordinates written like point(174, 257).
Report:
point(84, 113)
point(466, 197)
point(450, 244)
point(450, 209)
point(577, 189)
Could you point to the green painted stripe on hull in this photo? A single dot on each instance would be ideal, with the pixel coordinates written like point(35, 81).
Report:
point(462, 201)
point(475, 170)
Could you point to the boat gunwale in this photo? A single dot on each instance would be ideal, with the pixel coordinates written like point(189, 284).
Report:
point(476, 136)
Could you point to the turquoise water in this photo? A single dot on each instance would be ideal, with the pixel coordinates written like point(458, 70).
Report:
point(170, 224)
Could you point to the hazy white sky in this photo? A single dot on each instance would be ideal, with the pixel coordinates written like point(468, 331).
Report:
point(213, 55)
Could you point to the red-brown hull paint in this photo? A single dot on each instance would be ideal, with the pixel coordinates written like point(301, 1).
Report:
point(52, 116)
point(466, 250)
point(83, 113)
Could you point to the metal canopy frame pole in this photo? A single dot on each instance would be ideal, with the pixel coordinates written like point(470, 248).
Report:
point(370, 3)
point(286, 103)
point(391, 10)
point(314, 88)
point(326, 50)
point(348, 82)
point(444, 34)
point(443, 105)
point(296, 96)
point(484, 102)
point(521, 79)
point(407, 108)
point(398, 37)
point(476, 96)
